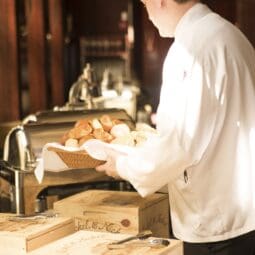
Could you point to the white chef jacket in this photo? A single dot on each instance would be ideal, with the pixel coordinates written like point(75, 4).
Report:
point(205, 150)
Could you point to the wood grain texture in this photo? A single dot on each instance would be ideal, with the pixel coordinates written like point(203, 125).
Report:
point(95, 243)
point(36, 48)
point(245, 20)
point(31, 233)
point(9, 82)
point(117, 212)
point(57, 51)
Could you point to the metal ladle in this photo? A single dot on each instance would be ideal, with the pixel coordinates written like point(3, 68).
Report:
point(141, 242)
point(158, 242)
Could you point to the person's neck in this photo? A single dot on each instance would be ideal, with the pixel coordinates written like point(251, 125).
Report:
point(178, 10)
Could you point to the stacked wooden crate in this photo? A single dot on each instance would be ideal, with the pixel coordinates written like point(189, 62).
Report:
point(20, 235)
point(96, 243)
point(117, 212)
point(100, 217)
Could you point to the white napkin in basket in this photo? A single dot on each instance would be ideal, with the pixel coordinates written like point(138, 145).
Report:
point(50, 161)
point(98, 149)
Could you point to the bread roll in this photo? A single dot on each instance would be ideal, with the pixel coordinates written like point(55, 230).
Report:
point(64, 138)
point(95, 123)
point(83, 124)
point(102, 135)
point(116, 122)
point(106, 122)
point(120, 130)
point(145, 127)
point(71, 143)
point(78, 132)
point(124, 140)
point(103, 128)
point(85, 138)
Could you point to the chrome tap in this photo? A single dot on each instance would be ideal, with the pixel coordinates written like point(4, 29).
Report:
point(85, 89)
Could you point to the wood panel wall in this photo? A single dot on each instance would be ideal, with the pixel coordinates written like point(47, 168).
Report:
point(97, 16)
point(154, 50)
point(56, 56)
point(36, 50)
point(46, 59)
point(246, 19)
point(226, 8)
point(9, 62)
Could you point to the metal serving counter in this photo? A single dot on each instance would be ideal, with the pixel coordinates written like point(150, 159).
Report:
point(22, 151)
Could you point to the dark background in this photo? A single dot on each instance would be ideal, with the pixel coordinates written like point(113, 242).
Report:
point(41, 54)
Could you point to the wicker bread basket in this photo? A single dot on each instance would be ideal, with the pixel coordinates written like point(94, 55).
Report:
point(76, 159)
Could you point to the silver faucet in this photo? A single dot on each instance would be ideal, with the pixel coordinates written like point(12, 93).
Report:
point(85, 89)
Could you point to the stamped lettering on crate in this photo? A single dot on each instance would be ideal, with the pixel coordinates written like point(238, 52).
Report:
point(96, 225)
point(158, 219)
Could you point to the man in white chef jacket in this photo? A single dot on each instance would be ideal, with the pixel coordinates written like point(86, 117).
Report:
point(205, 150)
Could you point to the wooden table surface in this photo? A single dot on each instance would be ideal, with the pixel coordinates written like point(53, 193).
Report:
point(95, 243)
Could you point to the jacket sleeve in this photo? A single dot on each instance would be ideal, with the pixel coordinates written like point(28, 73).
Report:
point(187, 121)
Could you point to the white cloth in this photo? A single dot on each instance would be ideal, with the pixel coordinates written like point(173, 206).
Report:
point(50, 161)
point(206, 126)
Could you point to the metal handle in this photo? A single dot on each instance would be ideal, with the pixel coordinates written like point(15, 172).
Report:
point(6, 171)
point(15, 177)
point(141, 235)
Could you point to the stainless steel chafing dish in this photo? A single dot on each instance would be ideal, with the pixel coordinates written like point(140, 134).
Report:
point(23, 144)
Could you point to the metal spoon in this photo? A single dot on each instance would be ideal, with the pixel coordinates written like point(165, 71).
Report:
point(158, 242)
point(142, 235)
point(152, 243)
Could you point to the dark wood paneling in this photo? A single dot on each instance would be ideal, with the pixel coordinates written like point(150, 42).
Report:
point(153, 51)
point(36, 48)
point(57, 52)
point(245, 18)
point(96, 16)
point(9, 89)
point(226, 8)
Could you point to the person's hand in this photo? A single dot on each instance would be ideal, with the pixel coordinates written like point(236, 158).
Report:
point(109, 167)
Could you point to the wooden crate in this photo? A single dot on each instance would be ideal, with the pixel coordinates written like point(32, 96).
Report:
point(96, 243)
point(21, 235)
point(117, 212)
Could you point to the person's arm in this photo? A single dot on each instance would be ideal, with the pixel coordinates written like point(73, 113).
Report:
point(187, 121)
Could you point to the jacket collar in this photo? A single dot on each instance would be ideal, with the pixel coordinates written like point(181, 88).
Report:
point(194, 14)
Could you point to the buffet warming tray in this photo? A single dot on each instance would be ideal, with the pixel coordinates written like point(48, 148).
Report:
point(23, 147)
